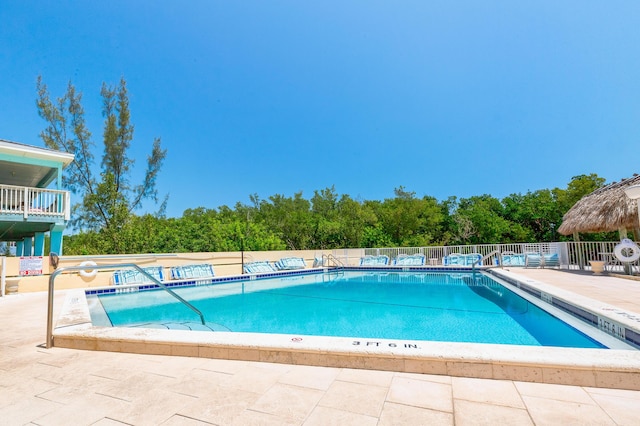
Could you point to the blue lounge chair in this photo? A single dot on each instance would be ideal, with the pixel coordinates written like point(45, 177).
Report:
point(133, 276)
point(259, 267)
point(381, 260)
point(409, 260)
point(290, 263)
point(454, 259)
point(186, 272)
point(551, 260)
point(533, 260)
point(471, 258)
point(457, 259)
point(510, 258)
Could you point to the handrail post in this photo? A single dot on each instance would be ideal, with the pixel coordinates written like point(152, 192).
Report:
point(482, 259)
point(52, 277)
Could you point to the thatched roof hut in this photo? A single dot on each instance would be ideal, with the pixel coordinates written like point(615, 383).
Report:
point(605, 209)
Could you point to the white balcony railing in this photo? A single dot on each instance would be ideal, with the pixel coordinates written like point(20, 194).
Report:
point(37, 202)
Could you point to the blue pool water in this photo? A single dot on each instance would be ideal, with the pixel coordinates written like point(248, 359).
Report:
point(388, 305)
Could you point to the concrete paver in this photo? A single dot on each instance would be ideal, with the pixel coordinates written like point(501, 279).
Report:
point(421, 393)
point(495, 392)
point(64, 386)
point(545, 411)
point(355, 397)
point(477, 413)
point(400, 414)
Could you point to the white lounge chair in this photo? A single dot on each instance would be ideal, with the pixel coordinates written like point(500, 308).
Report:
point(533, 260)
point(380, 260)
point(185, 272)
point(510, 258)
point(409, 260)
point(258, 267)
point(471, 258)
point(453, 259)
point(290, 263)
point(133, 276)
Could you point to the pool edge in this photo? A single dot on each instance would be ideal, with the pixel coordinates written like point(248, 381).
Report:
point(607, 368)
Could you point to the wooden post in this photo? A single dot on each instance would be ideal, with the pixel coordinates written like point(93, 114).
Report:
point(622, 232)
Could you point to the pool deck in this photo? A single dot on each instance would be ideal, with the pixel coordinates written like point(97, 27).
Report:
point(69, 386)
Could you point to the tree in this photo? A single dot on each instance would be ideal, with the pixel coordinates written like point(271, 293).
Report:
point(536, 211)
point(410, 221)
point(481, 220)
point(579, 186)
point(290, 218)
point(326, 221)
point(108, 200)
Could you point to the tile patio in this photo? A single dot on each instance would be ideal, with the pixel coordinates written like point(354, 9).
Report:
point(62, 386)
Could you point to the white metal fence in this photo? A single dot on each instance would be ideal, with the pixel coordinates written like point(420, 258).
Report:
point(27, 201)
point(572, 255)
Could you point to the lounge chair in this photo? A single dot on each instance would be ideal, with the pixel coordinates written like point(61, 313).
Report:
point(533, 260)
point(381, 260)
point(510, 258)
point(457, 259)
point(409, 260)
point(133, 276)
point(259, 267)
point(471, 258)
point(454, 259)
point(551, 260)
point(185, 272)
point(290, 263)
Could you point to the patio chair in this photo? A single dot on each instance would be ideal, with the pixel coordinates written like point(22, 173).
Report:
point(185, 272)
point(290, 263)
point(471, 258)
point(258, 267)
point(453, 259)
point(510, 258)
point(550, 260)
point(409, 260)
point(381, 260)
point(318, 262)
point(133, 276)
point(533, 260)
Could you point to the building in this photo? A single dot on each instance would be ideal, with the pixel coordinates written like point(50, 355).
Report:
point(32, 202)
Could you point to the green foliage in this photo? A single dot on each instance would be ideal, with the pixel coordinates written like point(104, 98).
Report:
point(329, 220)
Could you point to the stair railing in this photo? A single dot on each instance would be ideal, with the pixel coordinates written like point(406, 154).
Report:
point(59, 271)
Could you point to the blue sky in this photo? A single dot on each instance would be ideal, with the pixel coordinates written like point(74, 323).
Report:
point(275, 97)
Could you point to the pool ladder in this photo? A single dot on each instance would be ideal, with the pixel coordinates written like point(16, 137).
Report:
point(57, 272)
point(326, 258)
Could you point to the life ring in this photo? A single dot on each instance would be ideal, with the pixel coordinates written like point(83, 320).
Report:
point(88, 273)
point(623, 248)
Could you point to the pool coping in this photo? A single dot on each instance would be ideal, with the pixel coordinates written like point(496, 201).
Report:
point(609, 368)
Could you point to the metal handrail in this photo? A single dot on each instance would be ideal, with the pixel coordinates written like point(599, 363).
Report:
point(92, 267)
point(485, 257)
point(332, 258)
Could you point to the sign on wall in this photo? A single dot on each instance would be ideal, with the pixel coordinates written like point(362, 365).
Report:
point(30, 265)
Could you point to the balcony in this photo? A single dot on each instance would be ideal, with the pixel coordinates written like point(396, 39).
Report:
point(34, 204)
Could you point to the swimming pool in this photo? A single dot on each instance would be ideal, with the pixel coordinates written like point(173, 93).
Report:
point(423, 306)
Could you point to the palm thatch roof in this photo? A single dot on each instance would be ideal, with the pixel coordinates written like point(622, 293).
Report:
point(605, 209)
